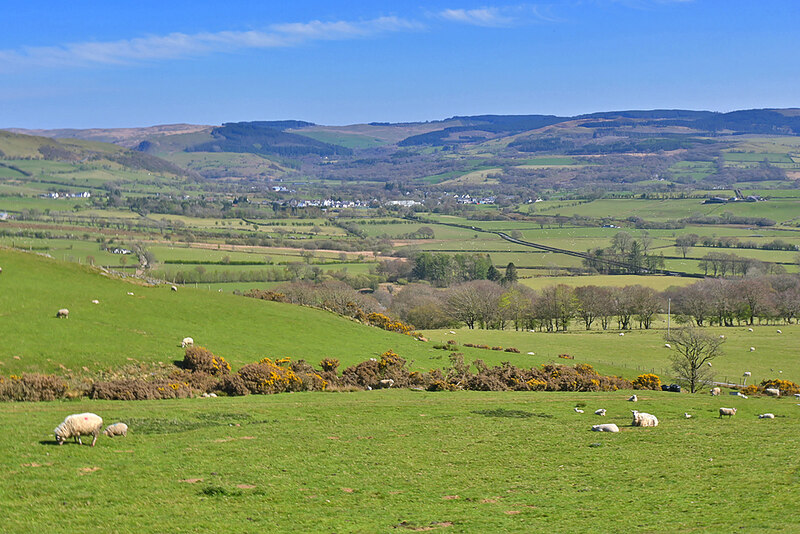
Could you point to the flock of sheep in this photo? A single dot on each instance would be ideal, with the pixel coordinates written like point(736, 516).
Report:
point(645, 419)
point(86, 424)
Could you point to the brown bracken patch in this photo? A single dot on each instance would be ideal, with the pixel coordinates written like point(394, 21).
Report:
point(191, 480)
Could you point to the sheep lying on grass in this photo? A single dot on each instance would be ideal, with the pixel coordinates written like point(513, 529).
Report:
point(174, 288)
point(715, 391)
point(578, 410)
point(607, 427)
point(687, 415)
point(95, 301)
point(774, 392)
point(187, 342)
point(117, 429)
point(63, 312)
point(386, 383)
point(644, 419)
point(601, 411)
point(633, 398)
point(767, 416)
point(77, 425)
point(730, 412)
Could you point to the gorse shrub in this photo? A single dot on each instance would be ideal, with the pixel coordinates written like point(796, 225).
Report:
point(329, 364)
point(203, 360)
point(267, 376)
point(32, 387)
point(137, 389)
point(646, 381)
point(786, 387)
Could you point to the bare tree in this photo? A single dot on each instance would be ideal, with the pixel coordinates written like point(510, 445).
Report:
point(693, 351)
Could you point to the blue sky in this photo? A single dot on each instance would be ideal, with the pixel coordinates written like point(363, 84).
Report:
point(104, 64)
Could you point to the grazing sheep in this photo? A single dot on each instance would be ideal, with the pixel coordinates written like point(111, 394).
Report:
point(752, 349)
point(95, 301)
point(778, 331)
point(607, 427)
point(1, 270)
point(687, 415)
point(749, 329)
point(63, 312)
point(117, 429)
point(740, 394)
point(578, 410)
point(531, 354)
point(622, 334)
point(452, 331)
point(601, 411)
point(187, 342)
point(774, 392)
point(633, 398)
point(767, 416)
point(644, 419)
point(668, 345)
point(174, 288)
point(747, 373)
point(715, 392)
point(77, 425)
point(386, 383)
point(797, 395)
point(722, 336)
point(708, 363)
point(730, 412)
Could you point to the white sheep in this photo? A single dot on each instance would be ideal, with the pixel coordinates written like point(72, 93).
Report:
point(531, 354)
point(644, 419)
point(668, 345)
point(687, 415)
point(601, 411)
point(633, 398)
point(778, 331)
point(740, 394)
point(715, 392)
point(709, 364)
point(774, 392)
point(452, 332)
point(174, 288)
point(767, 416)
point(752, 349)
point(386, 383)
point(95, 301)
point(622, 334)
point(63, 312)
point(749, 329)
point(578, 410)
point(130, 293)
point(722, 336)
point(117, 429)
point(187, 342)
point(730, 412)
point(77, 425)
point(747, 374)
point(797, 395)
point(1, 270)
point(607, 427)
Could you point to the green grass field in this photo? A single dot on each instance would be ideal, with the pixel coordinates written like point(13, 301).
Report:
point(395, 461)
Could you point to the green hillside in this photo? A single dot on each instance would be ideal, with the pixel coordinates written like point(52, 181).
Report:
point(149, 325)
point(87, 154)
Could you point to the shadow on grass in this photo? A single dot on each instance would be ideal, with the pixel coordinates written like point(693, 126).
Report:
point(49, 442)
point(518, 414)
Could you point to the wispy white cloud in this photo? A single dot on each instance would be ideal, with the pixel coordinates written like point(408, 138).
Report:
point(182, 45)
point(498, 16)
point(486, 16)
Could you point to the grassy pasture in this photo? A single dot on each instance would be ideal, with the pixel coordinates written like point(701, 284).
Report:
point(643, 350)
point(394, 461)
point(149, 325)
point(658, 283)
point(348, 140)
